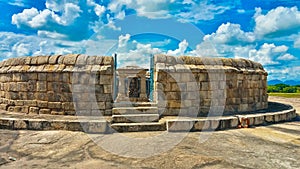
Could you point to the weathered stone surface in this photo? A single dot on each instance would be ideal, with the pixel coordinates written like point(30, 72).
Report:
point(54, 59)
point(34, 110)
point(70, 59)
point(44, 111)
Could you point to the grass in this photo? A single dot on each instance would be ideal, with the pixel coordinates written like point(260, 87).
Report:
point(286, 95)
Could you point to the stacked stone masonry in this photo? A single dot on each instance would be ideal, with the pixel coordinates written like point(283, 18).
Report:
point(57, 85)
point(187, 86)
point(196, 86)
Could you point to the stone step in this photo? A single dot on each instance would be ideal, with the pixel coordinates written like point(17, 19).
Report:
point(134, 127)
point(135, 118)
point(134, 110)
point(135, 104)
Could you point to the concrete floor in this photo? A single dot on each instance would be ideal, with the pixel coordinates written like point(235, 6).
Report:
point(273, 146)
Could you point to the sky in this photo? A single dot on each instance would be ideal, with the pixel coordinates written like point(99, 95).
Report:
point(263, 31)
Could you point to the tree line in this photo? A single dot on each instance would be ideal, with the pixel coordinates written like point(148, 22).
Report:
point(283, 88)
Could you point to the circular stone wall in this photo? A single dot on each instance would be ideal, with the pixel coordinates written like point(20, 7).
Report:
point(48, 84)
point(197, 86)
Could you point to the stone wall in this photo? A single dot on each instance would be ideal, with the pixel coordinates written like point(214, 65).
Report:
point(196, 86)
point(57, 85)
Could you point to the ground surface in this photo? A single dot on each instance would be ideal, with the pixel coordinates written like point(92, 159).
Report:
point(286, 95)
point(274, 146)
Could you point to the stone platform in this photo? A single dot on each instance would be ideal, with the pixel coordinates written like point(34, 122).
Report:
point(276, 113)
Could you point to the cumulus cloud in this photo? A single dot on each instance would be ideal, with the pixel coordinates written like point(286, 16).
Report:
point(280, 21)
point(197, 11)
point(149, 9)
point(297, 42)
point(63, 17)
point(283, 72)
point(230, 34)
point(140, 56)
point(39, 19)
point(287, 57)
point(16, 45)
point(269, 54)
point(123, 39)
point(182, 47)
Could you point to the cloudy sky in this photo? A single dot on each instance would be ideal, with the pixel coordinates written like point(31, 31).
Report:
point(264, 31)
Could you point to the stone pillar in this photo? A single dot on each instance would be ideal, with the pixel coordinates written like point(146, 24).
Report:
point(143, 94)
point(121, 91)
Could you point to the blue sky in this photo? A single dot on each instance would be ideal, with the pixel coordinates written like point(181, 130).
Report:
point(264, 31)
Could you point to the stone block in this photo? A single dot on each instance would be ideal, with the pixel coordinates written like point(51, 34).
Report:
point(68, 106)
point(66, 77)
point(35, 124)
point(31, 103)
point(42, 104)
point(41, 86)
point(54, 105)
point(70, 59)
point(107, 60)
point(108, 105)
point(201, 125)
point(57, 112)
point(22, 86)
point(107, 88)
point(18, 109)
point(34, 110)
point(19, 102)
point(44, 111)
point(41, 96)
point(214, 124)
point(33, 61)
point(42, 77)
point(53, 59)
point(31, 85)
point(106, 79)
point(97, 127)
point(269, 118)
point(20, 124)
point(174, 104)
point(205, 86)
point(179, 125)
point(42, 60)
point(91, 60)
point(81, 60)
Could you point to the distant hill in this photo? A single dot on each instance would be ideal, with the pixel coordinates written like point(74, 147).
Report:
point(288, 82)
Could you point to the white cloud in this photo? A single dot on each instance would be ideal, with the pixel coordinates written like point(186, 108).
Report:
point(123, 39)
point(280, 21)
point(21, 49)
point(241, 11)
point(140, 56)
point(17, 45)
point(184, 11)
point(182, 47)
point(146, 8)
point(283, 72)
point(230, 34)
point(53, 35)
point(205, 49)
point(111, 23)
point(197, 11)
point(40, 19)
point(269, 54)
point(286, 57)
point(297, 42)
point(63, 17)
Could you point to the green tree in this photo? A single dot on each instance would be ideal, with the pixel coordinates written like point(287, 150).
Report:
point(290, 89)
point(273, 89)
point(281, 86)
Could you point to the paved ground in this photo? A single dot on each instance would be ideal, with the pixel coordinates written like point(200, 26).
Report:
point(274, 146)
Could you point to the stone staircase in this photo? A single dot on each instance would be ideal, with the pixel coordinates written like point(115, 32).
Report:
point(137, 116)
